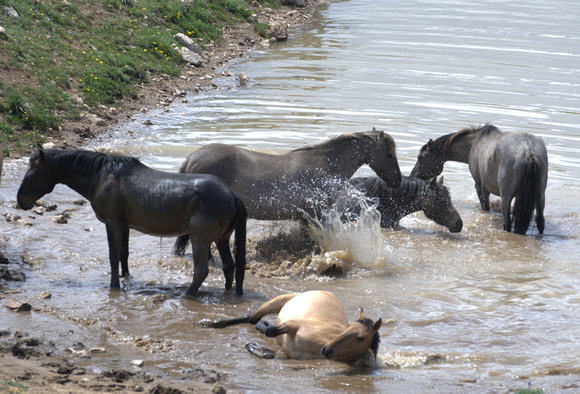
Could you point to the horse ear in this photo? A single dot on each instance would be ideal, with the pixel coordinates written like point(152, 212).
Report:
point(430, 144)
point(361, 314)
point(377, 324)
point(40, 153)
point(433, 183)
point(440, 181)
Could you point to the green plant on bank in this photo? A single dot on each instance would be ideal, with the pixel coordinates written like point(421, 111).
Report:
point(65, 57)
point(10, 386)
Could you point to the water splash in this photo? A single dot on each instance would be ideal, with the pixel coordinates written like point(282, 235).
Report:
point(361, 240)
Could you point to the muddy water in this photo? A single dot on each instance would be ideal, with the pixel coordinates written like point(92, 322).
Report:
point(481, 310)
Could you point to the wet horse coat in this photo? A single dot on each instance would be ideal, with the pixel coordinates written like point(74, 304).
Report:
point(509, 165)
point(125, 194)
point(414, 194)
point(283, 187)
point(313, 325)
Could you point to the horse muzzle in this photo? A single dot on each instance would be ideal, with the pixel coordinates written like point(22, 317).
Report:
point(456, 227)
point(328, 353)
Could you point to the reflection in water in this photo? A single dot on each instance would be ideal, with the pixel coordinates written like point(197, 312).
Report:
point(476, 310)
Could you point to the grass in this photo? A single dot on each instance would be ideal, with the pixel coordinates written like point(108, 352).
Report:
point(63, 57)
point(10, 386)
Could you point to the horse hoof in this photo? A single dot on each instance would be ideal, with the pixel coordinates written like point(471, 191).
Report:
point(260, 351)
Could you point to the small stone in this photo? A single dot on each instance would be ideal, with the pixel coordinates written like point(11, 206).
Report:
point(45, 295)
point(19, 306)
point(138, 363)
point(147, 122)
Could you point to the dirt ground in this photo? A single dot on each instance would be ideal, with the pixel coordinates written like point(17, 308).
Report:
point(29, 364)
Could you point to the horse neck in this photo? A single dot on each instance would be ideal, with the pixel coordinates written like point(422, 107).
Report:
point(83, 182)
point(409, 196)
point(346, 156)
point(458, 149)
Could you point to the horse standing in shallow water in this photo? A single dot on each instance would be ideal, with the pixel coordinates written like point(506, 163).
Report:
point(413, 195)
point(125, 194)
point(509, 165)
point(313, 325)
point(283, 187)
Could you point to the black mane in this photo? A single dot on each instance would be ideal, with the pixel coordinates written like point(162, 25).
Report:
point(85, 161)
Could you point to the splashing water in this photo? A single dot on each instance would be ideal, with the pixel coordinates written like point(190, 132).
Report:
point(361, 240)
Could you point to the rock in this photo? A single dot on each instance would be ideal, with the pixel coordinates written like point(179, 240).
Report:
point(45, 295)
point(2, 30)
point(12, 274)
point(11, 12)
point(294, 3)
point(19, 306)
point(147, 122)
point(190, 57)
point(60, 219)
point(278, 31)
point(138, 363)
point(144, 110)
point(49, 145)
point(187, 42)
point(243, 78)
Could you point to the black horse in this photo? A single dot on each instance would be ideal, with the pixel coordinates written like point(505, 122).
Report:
point(393, 204)
point(125, 194)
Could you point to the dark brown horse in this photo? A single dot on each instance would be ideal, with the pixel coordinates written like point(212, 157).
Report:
point(509, 165)
point(313, 325)
point(125, 194)
point(282, 187)
point(414, 194)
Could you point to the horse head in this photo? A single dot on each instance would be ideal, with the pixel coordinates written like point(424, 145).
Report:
point(359, 337)
point(37, 181)
point(429, 161)
point(382, 158)
point(438, 207)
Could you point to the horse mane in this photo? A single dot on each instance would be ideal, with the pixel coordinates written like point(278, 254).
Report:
point(375, 186)
point(483, 130)
point(85, 161)
point(373, 134)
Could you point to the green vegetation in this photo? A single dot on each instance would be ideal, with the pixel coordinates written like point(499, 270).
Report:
point(10, 386)
point(61, 57)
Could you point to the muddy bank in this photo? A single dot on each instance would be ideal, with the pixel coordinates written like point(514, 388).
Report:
point(29, 362)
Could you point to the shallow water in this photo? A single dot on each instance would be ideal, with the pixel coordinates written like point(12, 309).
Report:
point(481, 310)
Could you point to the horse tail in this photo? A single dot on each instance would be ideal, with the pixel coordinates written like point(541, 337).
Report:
point(180, 245)
point(526, 195)
point(240, 243)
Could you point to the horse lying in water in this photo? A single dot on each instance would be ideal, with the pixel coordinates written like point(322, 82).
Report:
point(125, 194)
point(313, 325)
point(413, 195)
point(509, 165)
point(284, 187)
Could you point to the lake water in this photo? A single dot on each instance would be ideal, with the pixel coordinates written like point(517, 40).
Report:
point(479, 311)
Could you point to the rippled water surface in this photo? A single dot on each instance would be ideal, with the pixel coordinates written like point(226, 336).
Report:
point(481, 310)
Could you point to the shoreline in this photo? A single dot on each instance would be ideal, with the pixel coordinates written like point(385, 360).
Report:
point(161, 91)
point(30, 363)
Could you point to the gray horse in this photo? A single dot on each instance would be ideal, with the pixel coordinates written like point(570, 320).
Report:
point(125, 194)
point(509, 165)
point(283, 187)
point(431, 197)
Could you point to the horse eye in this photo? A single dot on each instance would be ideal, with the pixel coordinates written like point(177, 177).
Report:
point(360, 339)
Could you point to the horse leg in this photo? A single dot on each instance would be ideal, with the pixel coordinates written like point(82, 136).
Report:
point(223, 245)
point(125, 254)
point(288, 327)
point(271, 307)
point(114, 236)
point(199, 265)
point(506, 203)
point(540, 201)
point(483, 195)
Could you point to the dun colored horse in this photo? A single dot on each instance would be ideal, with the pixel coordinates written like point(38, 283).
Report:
point(431, 197)
point(313, 325)
point(509, 165)
point(282, 187)
point(125, 194)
